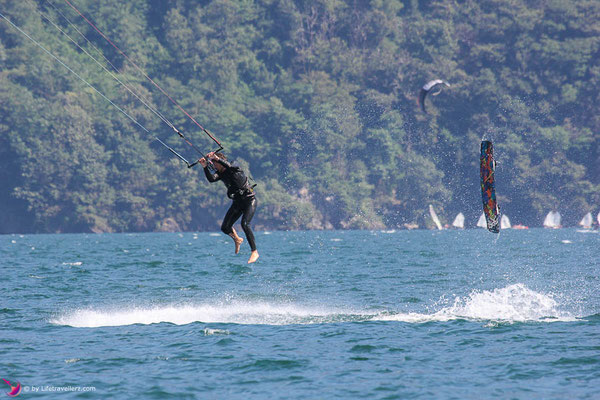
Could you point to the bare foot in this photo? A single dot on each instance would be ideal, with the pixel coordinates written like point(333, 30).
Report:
point(253, 257)
point(238, 244)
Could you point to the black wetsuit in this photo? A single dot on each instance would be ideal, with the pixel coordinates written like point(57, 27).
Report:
point(240, 191)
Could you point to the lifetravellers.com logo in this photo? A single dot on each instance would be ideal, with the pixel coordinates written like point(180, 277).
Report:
point(15, 389)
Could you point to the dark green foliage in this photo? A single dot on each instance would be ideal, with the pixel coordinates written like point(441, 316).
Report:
point(316, 99)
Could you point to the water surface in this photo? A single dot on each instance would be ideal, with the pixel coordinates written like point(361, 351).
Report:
point(339, 314)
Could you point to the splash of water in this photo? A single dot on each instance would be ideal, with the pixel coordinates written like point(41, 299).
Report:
point(259, 313)
point(515, 303)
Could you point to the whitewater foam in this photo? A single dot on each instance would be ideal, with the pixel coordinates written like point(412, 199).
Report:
point(515, 303)
point(260, 313)
point(209, 331)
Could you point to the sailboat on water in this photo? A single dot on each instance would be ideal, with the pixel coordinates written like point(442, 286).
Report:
point(481, 223)
point(587, 221)
point(459, 221)
point(505, 222)
point(552, 220)
point(435, 218)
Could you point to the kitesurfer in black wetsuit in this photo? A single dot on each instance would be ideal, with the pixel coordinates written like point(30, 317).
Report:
point(242, 194)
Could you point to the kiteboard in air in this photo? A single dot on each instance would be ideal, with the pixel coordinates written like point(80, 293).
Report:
point(488, 187)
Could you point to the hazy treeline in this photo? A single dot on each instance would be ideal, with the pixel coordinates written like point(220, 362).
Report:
point(316, 98)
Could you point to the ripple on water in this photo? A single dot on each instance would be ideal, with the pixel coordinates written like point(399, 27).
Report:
point(573, 361)
point(272, 364)
point(363, 348)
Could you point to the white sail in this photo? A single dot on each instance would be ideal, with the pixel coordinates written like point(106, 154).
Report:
point(548, 220)
point(586, 221)
point(481, 223)
point(557, 219)
point(435, 218)
point(459, 221)
point(505, 222)
point(552, 220)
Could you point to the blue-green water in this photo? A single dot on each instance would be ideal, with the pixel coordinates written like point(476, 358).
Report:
point(374, 315)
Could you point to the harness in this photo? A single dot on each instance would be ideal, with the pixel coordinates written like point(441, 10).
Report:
point(246, 190)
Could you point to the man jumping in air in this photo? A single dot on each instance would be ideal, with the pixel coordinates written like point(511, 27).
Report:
point(242, 194)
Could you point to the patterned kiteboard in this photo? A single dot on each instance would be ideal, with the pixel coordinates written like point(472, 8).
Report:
point(488, 189)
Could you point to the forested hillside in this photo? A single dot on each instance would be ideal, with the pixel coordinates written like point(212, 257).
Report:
point(317, 99)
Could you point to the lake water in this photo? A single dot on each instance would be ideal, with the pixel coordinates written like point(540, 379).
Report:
point(335, 314)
